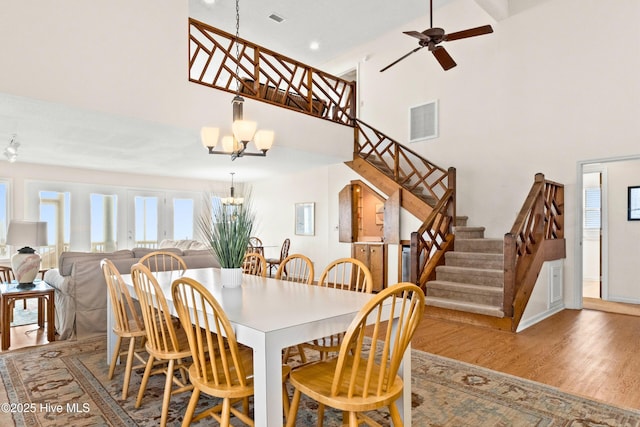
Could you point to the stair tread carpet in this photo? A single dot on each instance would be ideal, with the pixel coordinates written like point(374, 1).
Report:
point(487, 310)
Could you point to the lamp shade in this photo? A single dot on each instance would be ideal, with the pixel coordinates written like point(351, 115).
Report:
point(264, 139)
point(209, 136)
point(244, 130)
point(27, 233)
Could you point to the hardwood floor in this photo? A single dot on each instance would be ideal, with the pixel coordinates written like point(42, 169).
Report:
point(585, 352)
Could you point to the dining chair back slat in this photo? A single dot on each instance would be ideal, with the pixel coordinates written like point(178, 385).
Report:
point(254, 264)
point(163, 261)
point(296, 268)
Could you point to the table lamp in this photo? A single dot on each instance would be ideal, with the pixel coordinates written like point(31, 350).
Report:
point(26, 262)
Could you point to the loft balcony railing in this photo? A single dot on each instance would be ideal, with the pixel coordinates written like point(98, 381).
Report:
point(265, 75)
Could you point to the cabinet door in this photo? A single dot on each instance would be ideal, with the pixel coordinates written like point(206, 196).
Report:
point(345, 215)
point(377, 266)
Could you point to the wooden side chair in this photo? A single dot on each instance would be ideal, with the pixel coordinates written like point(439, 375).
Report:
point(128, 325)
point(221, 368)
point(348, 274)
point(364, 377)
point(254, 264)
point(164, 342)
point(163, 261)
point(284, 252)
point(296, 268)
point(255, 245)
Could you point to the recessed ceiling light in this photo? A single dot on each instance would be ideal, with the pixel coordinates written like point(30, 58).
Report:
point(209, 1)
point(314, 46)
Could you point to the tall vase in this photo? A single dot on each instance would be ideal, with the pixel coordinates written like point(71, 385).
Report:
point(231, 277)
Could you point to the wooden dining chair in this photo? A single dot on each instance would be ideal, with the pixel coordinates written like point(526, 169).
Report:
point(348, 274)
point(364, 376)
point(254, 264)
point(296, 268)
point(163, 261)
point(255, 245)
point(127, 325)
point(164, 343)
point(284, 252)
point(221, 368)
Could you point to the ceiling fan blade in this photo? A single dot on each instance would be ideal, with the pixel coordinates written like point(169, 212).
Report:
point(471, 32)
point(401, 58)
point(443, 57)
point(417, 35)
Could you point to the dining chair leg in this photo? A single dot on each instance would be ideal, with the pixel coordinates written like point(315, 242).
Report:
point(226, 412)
point(168, 385)
point(191, 408)
point(293, 409)
point(395, 415)
point(128, 367)
point(321, 415)
point(115, 356)
point(285, 400)
point(353, 419)
point(145, 380)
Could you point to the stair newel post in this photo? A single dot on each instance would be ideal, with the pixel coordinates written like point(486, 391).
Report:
point(509, 274)
point(414, 261)
point(451, 184)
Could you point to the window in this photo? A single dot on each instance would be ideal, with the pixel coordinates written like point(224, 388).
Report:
point(103, 223)
point(4, 218)
point(182, 219)
point(146, 222)
point(592, 208)
point(54, 210)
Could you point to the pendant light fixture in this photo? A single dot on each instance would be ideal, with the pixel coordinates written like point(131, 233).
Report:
point(232, 200)
point(244, 131)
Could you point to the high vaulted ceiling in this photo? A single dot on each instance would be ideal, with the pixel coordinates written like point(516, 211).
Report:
point(72, 99)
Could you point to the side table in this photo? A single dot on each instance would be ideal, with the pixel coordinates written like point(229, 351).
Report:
point(10, 293)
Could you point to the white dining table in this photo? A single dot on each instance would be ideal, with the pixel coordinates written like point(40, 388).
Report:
point(269, 315)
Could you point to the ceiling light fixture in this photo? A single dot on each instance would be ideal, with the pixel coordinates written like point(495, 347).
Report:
point(232, 200)
point(11, 152)
point(244, 131)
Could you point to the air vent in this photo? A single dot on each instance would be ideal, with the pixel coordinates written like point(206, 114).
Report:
point(423, 122)
point(277, 18)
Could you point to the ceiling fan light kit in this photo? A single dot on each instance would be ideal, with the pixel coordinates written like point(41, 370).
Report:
point(433, 36)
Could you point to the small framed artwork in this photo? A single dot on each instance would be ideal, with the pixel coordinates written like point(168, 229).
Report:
point(633, 203)
point(305, 219)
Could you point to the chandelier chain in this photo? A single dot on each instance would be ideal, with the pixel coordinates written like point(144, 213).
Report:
point(238, 46)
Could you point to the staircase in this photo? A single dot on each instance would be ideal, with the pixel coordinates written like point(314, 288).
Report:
point(466, 277)
point(472, 277)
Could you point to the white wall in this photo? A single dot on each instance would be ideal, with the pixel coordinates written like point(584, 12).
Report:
point(540, 94)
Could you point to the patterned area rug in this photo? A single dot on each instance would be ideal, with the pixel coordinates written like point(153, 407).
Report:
point(65, 384)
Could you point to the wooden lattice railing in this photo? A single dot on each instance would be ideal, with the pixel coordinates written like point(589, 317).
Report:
point(431, 183)
point(432, 240)
point(540, 221)
point(266, 75)
point(405, 166)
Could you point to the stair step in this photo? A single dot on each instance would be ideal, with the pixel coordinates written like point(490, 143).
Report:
point(464, 232)
point(461, 220)
point(455, 291)
point(474, 260)
point(472, 276)
point(468, 307)
point(495, 246)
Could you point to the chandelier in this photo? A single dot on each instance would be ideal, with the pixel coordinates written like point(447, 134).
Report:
point(244, 131)
point(232, 200)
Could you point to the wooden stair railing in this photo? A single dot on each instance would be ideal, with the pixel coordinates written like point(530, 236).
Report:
point(434, 185)
point(266, 75)
point(405, 166)
point(432, 240)
point(537, 235)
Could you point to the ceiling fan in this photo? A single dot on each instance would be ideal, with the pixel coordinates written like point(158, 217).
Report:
point(432, 37)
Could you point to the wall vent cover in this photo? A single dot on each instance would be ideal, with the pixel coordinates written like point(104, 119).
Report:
point(276, 17)
point(423, 121)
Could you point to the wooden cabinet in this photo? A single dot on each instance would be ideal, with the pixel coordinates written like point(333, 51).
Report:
point(374, 256)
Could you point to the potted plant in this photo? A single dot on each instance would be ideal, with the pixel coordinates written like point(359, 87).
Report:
point(227, 227)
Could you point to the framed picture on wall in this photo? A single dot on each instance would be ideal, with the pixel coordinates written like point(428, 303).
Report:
point(305, 221)
point(633, 203)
